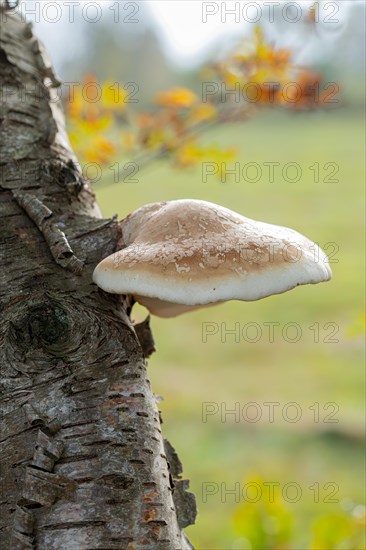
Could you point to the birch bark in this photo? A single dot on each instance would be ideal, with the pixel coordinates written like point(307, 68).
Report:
point(83, 460)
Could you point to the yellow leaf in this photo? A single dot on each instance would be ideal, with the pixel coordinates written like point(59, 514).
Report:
point(191, 153)
point(188, 155)
point(203, 112)
point(104, 145)
point(176, 98)
point(114, 96)
point(92, 125)
point(93, 155)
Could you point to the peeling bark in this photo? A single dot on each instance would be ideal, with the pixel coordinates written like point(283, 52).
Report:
point(83, 461)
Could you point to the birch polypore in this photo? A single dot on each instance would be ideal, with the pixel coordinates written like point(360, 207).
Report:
point(185, 254)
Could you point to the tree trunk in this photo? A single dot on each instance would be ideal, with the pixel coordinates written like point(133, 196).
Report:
point(83, 461)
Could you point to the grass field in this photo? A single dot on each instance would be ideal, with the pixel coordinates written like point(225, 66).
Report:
point(324, 366)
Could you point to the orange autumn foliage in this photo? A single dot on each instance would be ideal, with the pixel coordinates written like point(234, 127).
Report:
point(104, 127)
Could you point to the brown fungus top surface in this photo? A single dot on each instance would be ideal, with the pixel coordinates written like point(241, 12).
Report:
point(195, 252)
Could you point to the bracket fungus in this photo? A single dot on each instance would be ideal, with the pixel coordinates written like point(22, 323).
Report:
point(181, 255)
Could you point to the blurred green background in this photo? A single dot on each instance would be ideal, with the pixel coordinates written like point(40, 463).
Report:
point(189, 372)
point(323, 372)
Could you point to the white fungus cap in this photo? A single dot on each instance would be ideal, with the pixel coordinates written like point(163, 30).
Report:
point(185, 254)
